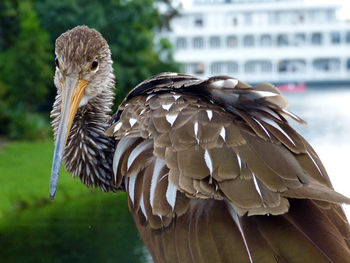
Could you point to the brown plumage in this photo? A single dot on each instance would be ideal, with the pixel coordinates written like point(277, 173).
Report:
point(212, 168)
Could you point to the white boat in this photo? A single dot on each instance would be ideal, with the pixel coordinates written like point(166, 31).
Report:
point(280, 41)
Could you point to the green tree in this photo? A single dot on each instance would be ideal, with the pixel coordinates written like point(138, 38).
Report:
point(25, 70)
point(28, 29)
point(128, 26)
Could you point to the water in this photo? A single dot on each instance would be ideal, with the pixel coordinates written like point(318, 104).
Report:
point(99, 228)
point(327, 112)
point(96, 228)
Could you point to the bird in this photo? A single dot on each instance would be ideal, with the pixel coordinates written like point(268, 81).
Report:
point(212, 169)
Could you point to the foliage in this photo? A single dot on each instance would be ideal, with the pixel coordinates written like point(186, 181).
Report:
point(25, 71)
point(17, 122)
point(168, 11)
point(28, 29)
point(128, 26)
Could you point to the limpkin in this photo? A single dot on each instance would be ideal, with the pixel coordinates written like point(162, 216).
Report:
point(212, 169)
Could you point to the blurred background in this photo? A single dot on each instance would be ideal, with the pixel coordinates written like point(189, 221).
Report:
point(303, 47)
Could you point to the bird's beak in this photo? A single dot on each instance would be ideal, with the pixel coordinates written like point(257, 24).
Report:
point(72, 93)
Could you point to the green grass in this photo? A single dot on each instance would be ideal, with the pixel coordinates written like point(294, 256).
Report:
point(25, 177)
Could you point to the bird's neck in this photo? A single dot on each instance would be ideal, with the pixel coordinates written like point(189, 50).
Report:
point(88, 153)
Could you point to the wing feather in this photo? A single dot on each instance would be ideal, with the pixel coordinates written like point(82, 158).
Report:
point(221, 139)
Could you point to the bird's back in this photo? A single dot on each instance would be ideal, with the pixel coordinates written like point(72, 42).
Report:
point(214, 173)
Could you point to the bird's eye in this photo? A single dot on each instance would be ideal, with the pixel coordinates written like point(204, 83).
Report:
point(94, 65)
point(56, 62)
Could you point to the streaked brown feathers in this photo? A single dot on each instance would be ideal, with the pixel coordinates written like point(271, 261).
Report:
point(222, 140)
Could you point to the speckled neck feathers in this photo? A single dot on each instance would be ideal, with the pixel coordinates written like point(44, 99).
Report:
point(89, 153)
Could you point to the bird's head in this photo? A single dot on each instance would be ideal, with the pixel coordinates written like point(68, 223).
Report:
point(83, 71)
point(83, 66)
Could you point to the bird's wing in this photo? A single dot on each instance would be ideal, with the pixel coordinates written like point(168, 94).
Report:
point(218, 138)
point(194, 154)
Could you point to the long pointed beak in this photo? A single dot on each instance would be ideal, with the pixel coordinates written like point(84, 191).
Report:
point(72, 93)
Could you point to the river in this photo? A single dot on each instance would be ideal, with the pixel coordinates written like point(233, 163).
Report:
point(327, 113)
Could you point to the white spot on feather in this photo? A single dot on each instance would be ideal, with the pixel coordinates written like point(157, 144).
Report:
point(159, 164)
point(176, 97)
point(210, 114)
point(239, 161)
point(142, 205)
point(85, 100)
point(138, 150)
point(132, 121)
point(274, 114)
point(257, 186)
point(149, 97)
point(223, 133)
point(171, 74)
point(292, 115)
point(235, 217)
point(196, 131)
point(171, 194)
point(117, 126)
point(171, 118)
point(131, 187)
point(262, 127)
point(234, 82)
point(208, 161)
point(227, 83)
point(122, 146)
point(274, 124)
point(163, 177)
point(167, 106)
point(318, 168)
point(218, 84)
point(266, 93)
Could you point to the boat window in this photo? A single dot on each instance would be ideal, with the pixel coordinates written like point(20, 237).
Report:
point(266, 66)
point(217, 67)
point(181, 43)
point(292, 66)
point(193, 68)
point(301, 18)
point(235, 21)
point(249, 67)
point(299, 39)
point(198, 42)
point(198, 68)
point(316, 39)
point(265, 40)
point(258, 66)
point(232, 41)
point(248, 41)
point(327, 64)
point(282, 40)
point(331, 15)
point(347, 37)
point(198, 22)
point(215, 42)
point(189, 68)
point(335, 37)
point(232, 67)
